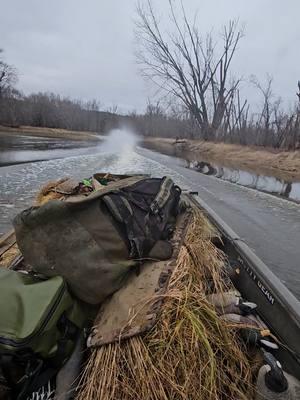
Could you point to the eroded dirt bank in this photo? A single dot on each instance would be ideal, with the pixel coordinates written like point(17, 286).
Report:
point(280, 164)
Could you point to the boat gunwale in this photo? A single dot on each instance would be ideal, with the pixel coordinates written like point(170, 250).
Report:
point(285, 321)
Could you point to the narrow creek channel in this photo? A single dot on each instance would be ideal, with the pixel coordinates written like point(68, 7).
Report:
point(268, 184)
point(289, 190)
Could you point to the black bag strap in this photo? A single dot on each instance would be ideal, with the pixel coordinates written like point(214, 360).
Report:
point(38, 381)
point(38, 372)
point(21, 388)
point(69, 332)
point(119, 207)
point(33, 379)
point(163, 195)
point(121, 210)
point(5, 363)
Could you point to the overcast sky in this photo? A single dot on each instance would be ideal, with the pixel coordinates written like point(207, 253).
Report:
point(85, 49)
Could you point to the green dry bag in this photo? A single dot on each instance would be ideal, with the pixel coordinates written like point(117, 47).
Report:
point(39, 323)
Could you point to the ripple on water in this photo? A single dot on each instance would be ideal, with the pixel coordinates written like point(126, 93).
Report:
point(19, 184)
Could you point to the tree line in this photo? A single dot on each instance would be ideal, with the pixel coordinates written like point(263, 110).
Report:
point(199, 96)
point(196, 71)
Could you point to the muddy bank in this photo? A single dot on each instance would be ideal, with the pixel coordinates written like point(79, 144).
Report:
point(283, 165)
point(48, 132)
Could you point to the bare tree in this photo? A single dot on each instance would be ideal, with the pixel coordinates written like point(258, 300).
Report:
point(184, 65)
point(298, 92)
point(8, 77)
point(236, 118)
point(8, 94)
point(267, 108)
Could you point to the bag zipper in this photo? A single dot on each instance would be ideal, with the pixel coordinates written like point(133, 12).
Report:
point(22, 342)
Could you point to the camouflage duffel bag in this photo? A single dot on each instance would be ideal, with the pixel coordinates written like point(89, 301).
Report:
point(94, 242)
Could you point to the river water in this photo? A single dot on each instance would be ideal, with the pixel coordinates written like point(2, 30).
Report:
point(264, 183)
point(17, 149)
point(19, 183)
point(268, 224)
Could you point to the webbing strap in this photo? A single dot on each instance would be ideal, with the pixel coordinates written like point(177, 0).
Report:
point(121, 210)
point(35, 382)
point(113, 186)
point(38, 372)
point(162, 196)
point(22, 387)
point(5, 363)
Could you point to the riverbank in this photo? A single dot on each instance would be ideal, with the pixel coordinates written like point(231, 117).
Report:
point(283, 165)
point(48, 132)
point(29, 144)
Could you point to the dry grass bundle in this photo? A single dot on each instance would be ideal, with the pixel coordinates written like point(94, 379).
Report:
point(9, 256)
point(190, 353)
point(48, 192)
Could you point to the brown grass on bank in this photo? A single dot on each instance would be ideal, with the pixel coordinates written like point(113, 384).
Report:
point(190, 353)
point(48, 132)
point(278, 163)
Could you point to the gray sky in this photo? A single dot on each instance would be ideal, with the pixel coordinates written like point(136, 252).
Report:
point(85, 49)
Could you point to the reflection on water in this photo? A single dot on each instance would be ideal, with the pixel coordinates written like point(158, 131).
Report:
point(17, 149)
point(269, 184)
